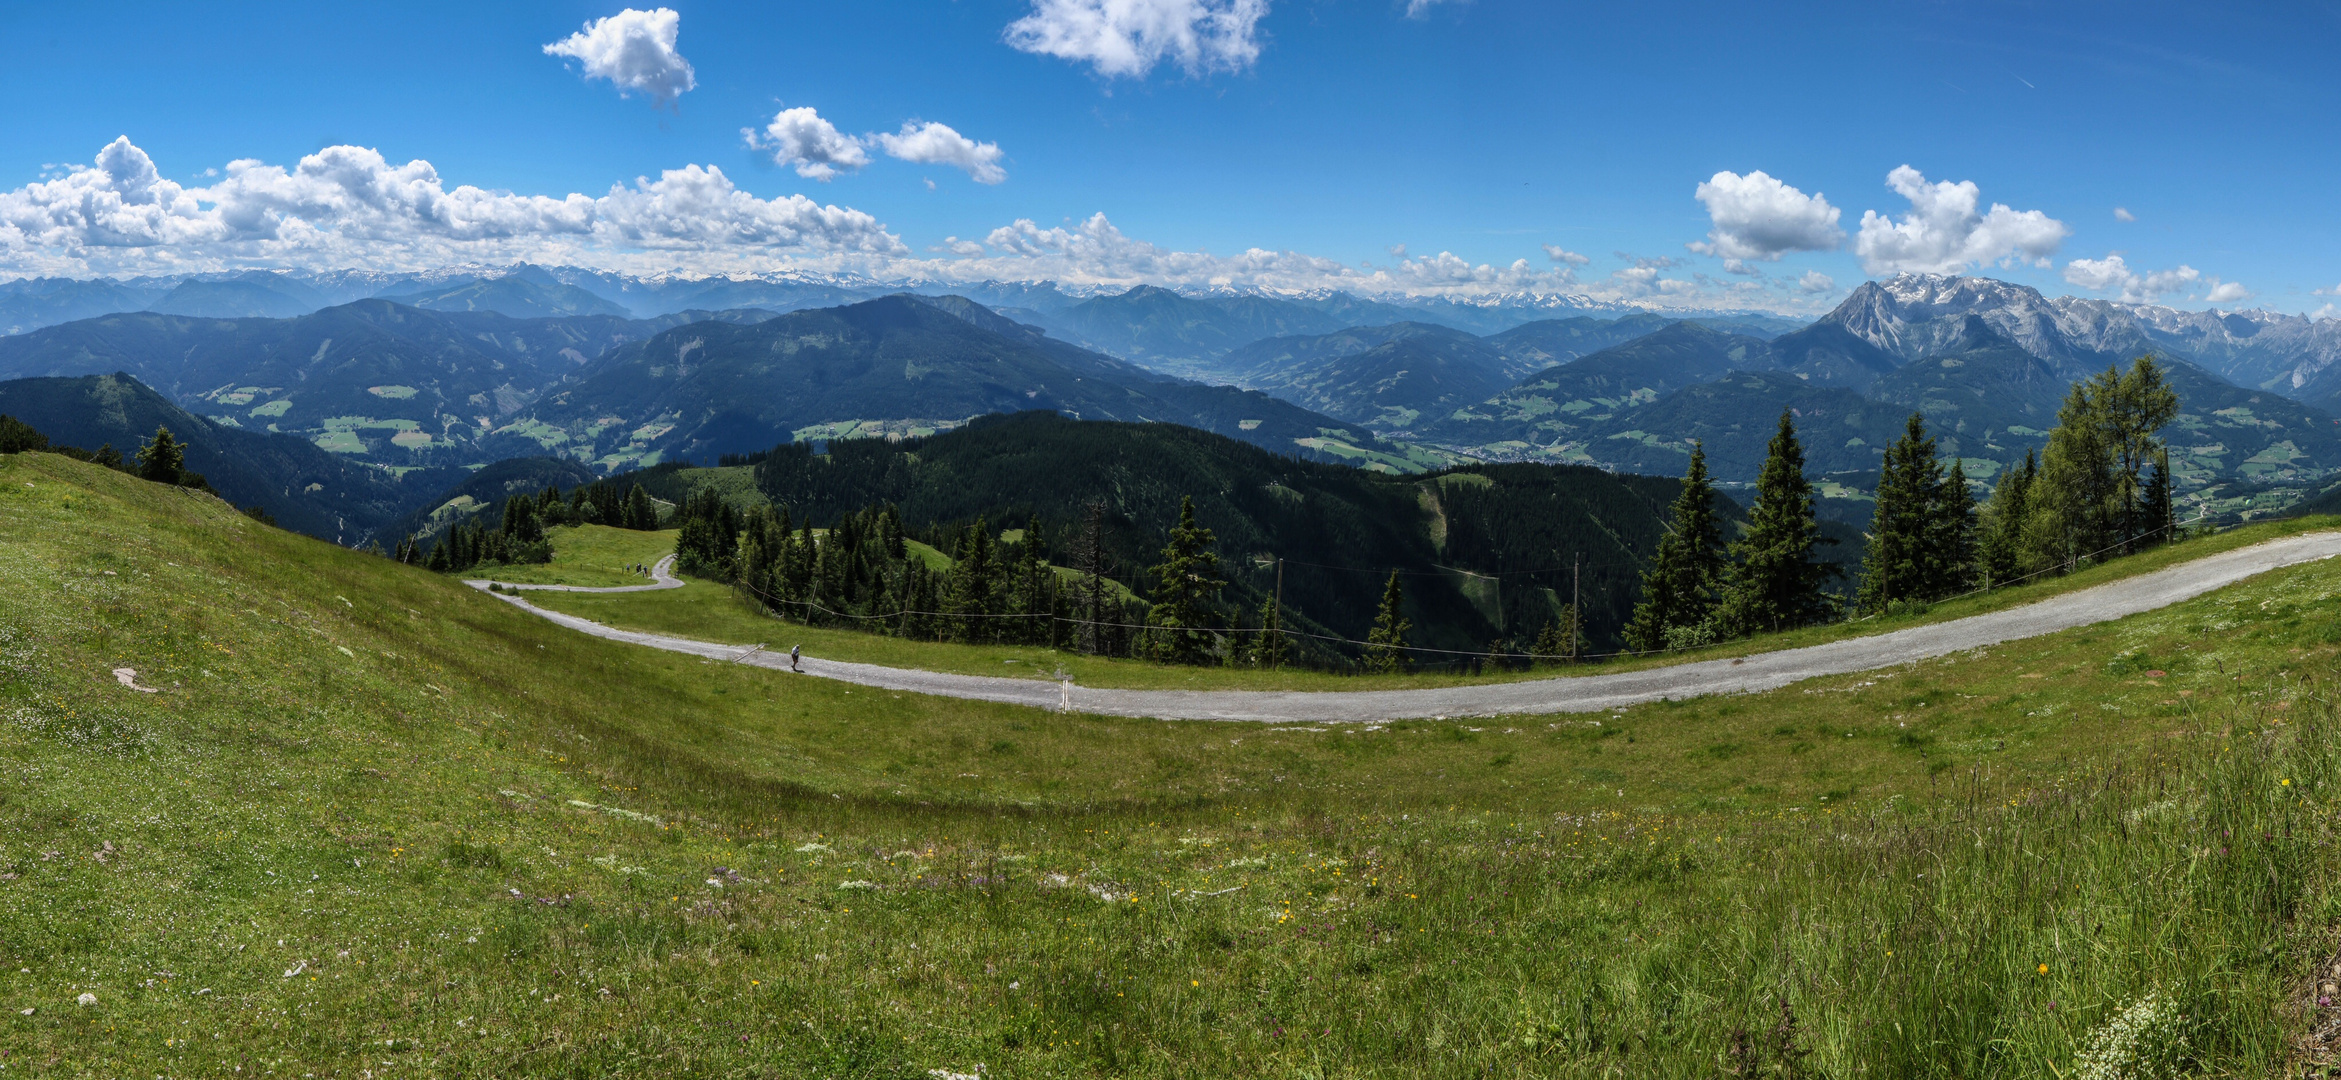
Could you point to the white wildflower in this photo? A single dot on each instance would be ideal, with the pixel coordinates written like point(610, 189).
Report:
point(2148, 1039)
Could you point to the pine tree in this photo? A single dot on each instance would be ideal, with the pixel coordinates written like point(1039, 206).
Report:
point(1678, 591)
point(162, 459)
point(1386, 642)
point(1090, 558)
point(1186, 590)
point(640, 513)
point(1271, 651)
point(1558, 642)
point(441, 560)
point(108, 457)
point(18, 437)
point(2000, 528)
point(1899, 564)
point(1951, 540)
point(973, 585)
point(2139, 403)
point(1773, 582)
point(2158, 511)
point(2072, 512)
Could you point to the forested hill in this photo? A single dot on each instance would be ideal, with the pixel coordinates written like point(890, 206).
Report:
point(911, 363)
point(1340, 530)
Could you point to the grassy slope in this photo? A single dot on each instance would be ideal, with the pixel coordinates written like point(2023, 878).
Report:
point(590, 555)
point(353, 765)
point(708, 612)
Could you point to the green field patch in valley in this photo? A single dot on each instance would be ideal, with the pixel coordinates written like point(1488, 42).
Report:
point(394, 393)
point(274, 408)
point(596, 556)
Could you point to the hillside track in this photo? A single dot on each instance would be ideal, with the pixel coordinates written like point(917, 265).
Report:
point(1749, 674)
point(661, 573)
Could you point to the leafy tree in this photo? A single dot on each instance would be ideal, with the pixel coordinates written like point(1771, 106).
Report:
point(2134, 407)
point(162, 459)
point(1900, 563)
point(1774, 583)
point(1186, 590)
point(1678, 591)
point(1386, 642)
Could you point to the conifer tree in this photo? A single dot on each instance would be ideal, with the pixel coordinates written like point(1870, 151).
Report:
point(1558, 643)
point(2000, 527)
point(17, 437)
point(1271, 650)
point(973, 585)
point(1774, 583)
point(2158, 512)
point(1951, 540)
point(640, 513)
point(1090, 558)
point(1678, 591)
point(108, 457)
point(441, 560)
point(1900, 564)
point(2072, 512)
point(162, 459)
point(1386, 642)
point(2133, 410)
point(1186, 590)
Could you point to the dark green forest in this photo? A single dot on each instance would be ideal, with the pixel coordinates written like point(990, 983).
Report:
point(1486, 550)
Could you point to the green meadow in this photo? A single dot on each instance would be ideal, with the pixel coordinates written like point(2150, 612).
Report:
point(373, 822)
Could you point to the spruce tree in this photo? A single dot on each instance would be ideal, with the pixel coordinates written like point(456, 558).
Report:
point(1270, 652)
point(2158, 512)
point(640, 513)
point(1186, 591)
point(973, 585)
point(108, 457)
point(1558, 642)
point(1386, 642)
point(2138, 403)
point(162, 459)
point(1952, 539)
point(1678, 591)
point(2000, 527)
point(1774, 583)
point(18, 437)
point(2072, 512)
point(1899, 564)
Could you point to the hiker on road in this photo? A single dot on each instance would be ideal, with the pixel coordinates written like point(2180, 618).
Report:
point(796, 653)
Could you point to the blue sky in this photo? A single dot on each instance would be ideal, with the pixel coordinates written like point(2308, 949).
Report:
point(1321, 135)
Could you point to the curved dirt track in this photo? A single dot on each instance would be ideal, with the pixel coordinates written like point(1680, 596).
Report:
point(658, 573)
point(1757, 672)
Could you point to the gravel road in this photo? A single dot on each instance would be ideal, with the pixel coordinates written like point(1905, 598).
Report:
point(1593, 693)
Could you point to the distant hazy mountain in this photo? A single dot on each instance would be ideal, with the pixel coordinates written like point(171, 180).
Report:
point(257, 295)
point(1385, 377)
point(371, 378)
point(514, 296)
point(303, 487)
point(897, 364)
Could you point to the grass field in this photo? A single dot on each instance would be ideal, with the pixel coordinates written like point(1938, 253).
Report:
point(590, 555)
point(375, 822)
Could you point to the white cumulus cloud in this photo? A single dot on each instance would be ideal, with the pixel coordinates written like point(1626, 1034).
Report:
point(634, 50)
point(1814, 283)
point(800, 137)
point(1120, 38)
point(2123, 214)
point(346, 206)
point(937, 144)
point(1556, 253)
point(2112, 273)
point(1419, 9)
point(1758, 217)
point(2227, 292)
point(1944, 232)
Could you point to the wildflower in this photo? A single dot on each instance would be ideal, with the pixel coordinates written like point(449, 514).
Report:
point(2044, 969)
point(86, 999)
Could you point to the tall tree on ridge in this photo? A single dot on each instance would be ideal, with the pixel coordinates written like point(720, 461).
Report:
point(162, 459)
point(1186, 590)
point(1899, 564)
point(1678, 591)
point(1773, 582)
point(1386, 642)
